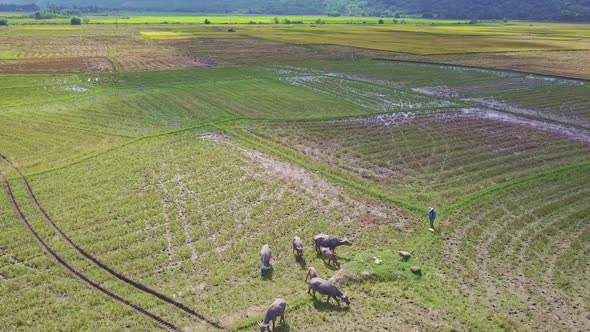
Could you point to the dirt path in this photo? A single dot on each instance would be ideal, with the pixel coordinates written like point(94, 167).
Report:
point(91, 258)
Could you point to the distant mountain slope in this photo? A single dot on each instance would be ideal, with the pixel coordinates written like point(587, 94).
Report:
point(568, 10)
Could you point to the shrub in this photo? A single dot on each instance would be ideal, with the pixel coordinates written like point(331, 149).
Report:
point(288, 21)
point(381, 21)
point(75, 21)
point(207, 21)
point(276, 20)
point(3, 22)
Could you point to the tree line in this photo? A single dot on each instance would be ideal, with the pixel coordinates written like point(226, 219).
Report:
point(556, 10)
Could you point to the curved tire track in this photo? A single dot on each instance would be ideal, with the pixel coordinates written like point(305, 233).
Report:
point(102, 265)
point(165, 324)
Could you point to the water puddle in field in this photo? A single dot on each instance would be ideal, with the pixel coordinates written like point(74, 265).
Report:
point(557, 129)
point(365, 80)
point(481, 70)
point(554, 80)
point(76, 88)
point(403, 118)
point(388, 120)
point(373, 94)
point(437, 91)
point(495, 104)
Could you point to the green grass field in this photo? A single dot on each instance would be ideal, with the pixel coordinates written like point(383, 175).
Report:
point(138, 197)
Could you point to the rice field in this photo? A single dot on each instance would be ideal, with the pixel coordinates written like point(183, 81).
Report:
point(142, 173)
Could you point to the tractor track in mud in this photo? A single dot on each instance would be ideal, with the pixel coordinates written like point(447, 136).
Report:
point(93, 259)
point(79, 275)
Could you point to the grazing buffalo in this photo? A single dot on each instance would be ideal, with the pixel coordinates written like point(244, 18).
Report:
point(265, 255)
point(276, 309)
point(327, 288)
point(328, 241)
point(329, 255)
point(298, 247)
point(311, 273)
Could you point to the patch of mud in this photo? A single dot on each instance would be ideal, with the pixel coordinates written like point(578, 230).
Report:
point(344, 277)
point(206, 62)
point(500, 73)
point(364, 80)
point(559, 130)
point(76, 88)
point(243, 314)
point(216, 137)
point(302, 79)
point(387, 120)
point(554, 80)
point(437, 91)
point(493, 103)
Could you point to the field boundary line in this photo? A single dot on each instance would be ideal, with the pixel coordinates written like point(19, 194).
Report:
point(120, 146)
point(47, 249)
point(102, 265)
point(74, 128)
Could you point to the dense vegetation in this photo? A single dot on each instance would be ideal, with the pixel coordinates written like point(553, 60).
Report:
point(567, 10)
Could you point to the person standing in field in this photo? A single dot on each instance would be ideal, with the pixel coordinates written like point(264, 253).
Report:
point(432, 217)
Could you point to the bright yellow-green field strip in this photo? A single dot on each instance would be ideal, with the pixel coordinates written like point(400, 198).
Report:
point(8, 55)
